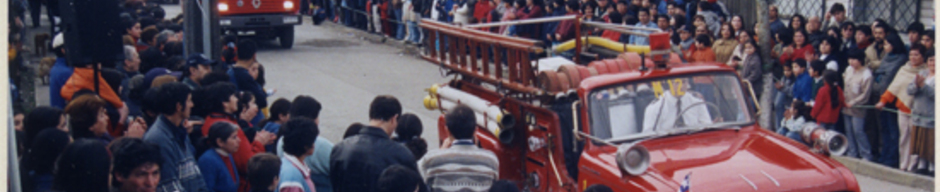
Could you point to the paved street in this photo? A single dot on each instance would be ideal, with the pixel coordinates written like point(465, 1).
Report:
point(344, 73)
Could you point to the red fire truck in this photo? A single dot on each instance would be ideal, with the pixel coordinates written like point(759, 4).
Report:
point(265, 19)
point(634, 121)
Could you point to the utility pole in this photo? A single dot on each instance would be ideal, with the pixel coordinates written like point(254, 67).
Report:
point(763, 10)
point(201, 27)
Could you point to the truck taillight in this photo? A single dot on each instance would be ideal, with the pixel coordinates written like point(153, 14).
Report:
point(223, 7)
point(288, 5)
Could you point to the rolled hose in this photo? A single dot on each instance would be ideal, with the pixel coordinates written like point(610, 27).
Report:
point(488, 116)
point(603, 42)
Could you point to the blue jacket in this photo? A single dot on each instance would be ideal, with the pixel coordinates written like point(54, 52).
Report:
point(216, 174)
point(244, 82)
point(803, 87)
point(638, 40)
point(58, 75)
point(179, 171)
point(292, 177)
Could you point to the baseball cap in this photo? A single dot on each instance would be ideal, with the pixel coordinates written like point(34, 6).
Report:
point(58, 40)
point(157, 72)
point(198, 59)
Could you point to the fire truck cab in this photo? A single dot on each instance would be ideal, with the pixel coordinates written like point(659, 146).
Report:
point(265, 19)
point(641, 121)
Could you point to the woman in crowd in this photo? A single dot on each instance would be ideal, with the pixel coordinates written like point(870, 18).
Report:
point(88, 118)
point(922, 146)
point(36, 166)
point(702, 51)
point(797, 23)
point(798, 49)
point(724, 45)
point(897, 94)
point(737, 24)
point(39, 119)
point(247, 109)
point(217, 164)
point(84, 166)
point(857, 79)
point(829, 101)
point(409, 134)
point(743, 37)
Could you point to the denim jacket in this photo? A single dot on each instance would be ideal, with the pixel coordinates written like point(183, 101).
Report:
point(179, 171)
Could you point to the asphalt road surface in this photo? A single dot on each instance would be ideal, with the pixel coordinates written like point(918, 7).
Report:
point(345, 73)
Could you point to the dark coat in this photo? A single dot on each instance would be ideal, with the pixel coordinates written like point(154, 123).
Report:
point(357, 161)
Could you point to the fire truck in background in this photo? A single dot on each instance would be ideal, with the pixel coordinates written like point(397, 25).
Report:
point(631, 118)
point(263, 19)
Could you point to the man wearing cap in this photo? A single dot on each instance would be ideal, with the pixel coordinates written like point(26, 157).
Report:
point(59, 74)
point(197, 66)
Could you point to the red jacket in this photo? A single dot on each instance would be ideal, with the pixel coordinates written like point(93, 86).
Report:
point(566, 29)
point(245, 149)
point(823, 111)
point(482, 10)
point(797, 54)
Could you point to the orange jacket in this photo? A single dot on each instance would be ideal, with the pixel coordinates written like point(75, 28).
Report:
point(82, 79)
point(700, 55)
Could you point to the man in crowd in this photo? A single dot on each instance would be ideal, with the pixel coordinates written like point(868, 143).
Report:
point(170, 132)
point(776, 25)
point(644, 16)
point(816, 34)
point(197, 66)
point(241, 75)
point(154, 57)
point(837, 15)
point(136, 165)
point(463, 166)
point(914, 31)
point(874, 54)
point(356, 162)
point(60, 73)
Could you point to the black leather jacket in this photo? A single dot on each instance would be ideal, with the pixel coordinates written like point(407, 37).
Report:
point(357, 161)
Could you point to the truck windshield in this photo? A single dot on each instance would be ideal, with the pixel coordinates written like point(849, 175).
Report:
point(652, 107)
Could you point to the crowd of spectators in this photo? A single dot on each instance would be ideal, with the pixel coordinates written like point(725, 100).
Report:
point(860, 79)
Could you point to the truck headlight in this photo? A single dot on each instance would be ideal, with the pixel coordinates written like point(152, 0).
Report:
point(632, 158)
point(288, 4)
point(223, 7)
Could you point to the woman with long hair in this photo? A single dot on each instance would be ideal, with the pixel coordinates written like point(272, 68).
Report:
point(737, 24)
point(724, 45)
point(751, 69)
point(798, 49)
point(797, 23)
point(702, 51)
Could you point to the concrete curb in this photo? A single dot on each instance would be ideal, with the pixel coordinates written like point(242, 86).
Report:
point(885, 173)
point(374, 38)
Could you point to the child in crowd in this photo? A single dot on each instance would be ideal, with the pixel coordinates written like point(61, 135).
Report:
point(279, 116)
point(784, 94)
point(794, 119)
point(829, 101)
